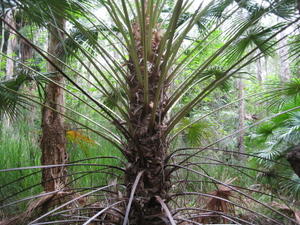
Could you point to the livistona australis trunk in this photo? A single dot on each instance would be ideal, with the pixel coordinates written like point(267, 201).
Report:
point(53, 141)
point(146, 151)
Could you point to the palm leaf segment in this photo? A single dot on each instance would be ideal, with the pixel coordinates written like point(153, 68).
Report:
point(12, 100)
point(9, 100)
point(278, 138)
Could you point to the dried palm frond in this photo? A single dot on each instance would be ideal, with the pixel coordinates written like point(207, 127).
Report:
point(219, 203)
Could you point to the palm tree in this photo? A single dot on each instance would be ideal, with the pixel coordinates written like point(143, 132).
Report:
point(148, 110)
point(277, 144)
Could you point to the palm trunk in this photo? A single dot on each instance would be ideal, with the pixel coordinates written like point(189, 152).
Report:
point(53, 142)
point(146, 151)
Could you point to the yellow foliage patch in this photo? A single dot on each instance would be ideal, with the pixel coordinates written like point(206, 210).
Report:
point(80, 139)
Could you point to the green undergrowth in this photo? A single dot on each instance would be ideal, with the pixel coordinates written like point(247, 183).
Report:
point(19, 147)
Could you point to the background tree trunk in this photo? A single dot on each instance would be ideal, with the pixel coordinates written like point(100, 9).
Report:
point(240, 139)
point(26, 52)
point(284, 73)
point(260, 75)
point(2, 40)
point(266, 66)
point(11, 44)
point(53, 141)
point(26, 55)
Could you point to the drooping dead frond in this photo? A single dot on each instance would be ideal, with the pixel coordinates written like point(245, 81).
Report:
point(219, 205)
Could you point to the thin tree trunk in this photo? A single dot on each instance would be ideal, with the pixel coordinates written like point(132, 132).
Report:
point(266, 66)
point(240, 140)
point(53, 141)
point(11, 45)
point(2, 39)
point(260, 75)
point(283, 52)
point(26, 55)
point(26, 52)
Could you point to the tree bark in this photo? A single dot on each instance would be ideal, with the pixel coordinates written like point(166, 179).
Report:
point(26, 52)
point(53, 141)
point(11, 44)
point(2, 39)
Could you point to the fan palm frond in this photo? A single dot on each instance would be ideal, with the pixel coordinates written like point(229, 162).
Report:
point(198, 133)
point(282, 94)
point(257, 36)
point(285, 9)
point(10, 101)
point(295, 49)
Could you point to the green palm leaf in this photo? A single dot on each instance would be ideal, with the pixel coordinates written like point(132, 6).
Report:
point(10, 102)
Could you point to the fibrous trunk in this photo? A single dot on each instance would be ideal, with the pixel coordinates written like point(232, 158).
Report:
point(146, 150)
point(53, 142)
